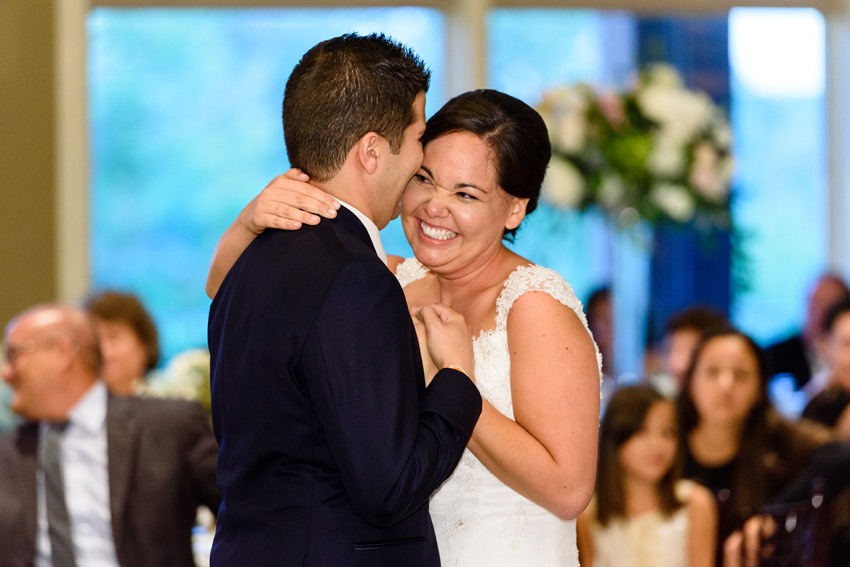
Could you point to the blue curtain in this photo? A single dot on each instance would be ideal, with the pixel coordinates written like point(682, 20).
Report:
point(689, 266)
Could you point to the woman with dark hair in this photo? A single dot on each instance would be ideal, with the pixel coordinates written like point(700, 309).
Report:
point(529, 469)
point(643, 513)
point(129, 341)
point(733, 441)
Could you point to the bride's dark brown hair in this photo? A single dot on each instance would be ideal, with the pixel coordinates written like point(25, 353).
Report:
point(514, 131)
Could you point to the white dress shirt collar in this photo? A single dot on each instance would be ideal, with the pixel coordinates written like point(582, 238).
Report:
point(85, 468)
point(371, 228)
point(90, 412)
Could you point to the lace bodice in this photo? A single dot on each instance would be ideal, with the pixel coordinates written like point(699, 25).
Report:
point(478, 519)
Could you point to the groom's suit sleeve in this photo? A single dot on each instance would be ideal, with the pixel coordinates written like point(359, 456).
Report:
point(394, 442)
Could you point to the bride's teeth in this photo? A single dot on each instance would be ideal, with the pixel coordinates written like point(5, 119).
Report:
point(437, 233)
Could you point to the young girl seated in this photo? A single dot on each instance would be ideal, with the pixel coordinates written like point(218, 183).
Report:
point(642, 513)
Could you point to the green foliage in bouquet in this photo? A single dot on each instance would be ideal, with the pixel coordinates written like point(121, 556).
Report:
point(659, 152)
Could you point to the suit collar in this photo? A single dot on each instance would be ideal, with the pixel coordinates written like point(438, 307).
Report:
point(27, 446)
point(121, 440)
point(371, 228)
point(348, 221)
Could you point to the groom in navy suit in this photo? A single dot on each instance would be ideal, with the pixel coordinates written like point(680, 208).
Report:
point(331, 443)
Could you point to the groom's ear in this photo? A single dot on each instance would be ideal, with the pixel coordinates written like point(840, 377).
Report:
point(370, 150)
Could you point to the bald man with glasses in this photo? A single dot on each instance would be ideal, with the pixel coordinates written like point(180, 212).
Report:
point(91, 478)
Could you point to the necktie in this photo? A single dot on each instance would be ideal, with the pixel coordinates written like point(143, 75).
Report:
point(58, 523)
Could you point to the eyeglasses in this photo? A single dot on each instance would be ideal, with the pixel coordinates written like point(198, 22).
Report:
point(13, 352)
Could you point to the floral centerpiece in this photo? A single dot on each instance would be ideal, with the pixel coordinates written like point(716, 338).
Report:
point(187, 377)
point(659, 152)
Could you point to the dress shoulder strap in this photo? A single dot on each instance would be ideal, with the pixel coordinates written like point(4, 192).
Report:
point(409, 271)
point(535, 278)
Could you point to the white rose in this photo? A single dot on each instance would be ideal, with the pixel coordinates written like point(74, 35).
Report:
point(572, 130)
point(681, 114)
point(693, 113)
point(722, 133)
point(564, 185)
point(656, 103)
point(611, 191)
point(564, 111)
point(675, 201)
point(663, 74)
point(710, 175)
point(667, 158)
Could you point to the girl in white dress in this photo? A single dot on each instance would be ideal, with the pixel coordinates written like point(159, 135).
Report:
point(529, 469)
point(643, 514)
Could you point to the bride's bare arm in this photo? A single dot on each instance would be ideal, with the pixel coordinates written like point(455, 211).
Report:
point(549, 453)
point(287, 203)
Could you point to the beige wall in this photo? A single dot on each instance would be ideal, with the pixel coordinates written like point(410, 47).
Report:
point(27, 155)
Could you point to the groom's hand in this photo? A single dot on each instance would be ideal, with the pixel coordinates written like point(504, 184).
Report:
point(288, 202)
point(448, 337)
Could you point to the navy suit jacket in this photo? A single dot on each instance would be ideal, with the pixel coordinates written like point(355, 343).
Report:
point(330, 443)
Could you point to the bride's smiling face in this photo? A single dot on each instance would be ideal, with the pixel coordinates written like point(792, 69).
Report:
point(453, 211)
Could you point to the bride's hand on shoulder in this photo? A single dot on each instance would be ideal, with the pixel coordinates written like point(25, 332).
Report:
point(289, 202)
point(447, 336)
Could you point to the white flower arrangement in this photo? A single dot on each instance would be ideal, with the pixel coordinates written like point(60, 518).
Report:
point(187, 377)
point(660, 149)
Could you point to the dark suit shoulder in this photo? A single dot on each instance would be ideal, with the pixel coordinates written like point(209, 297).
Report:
point(326, 239)
point(156, 412)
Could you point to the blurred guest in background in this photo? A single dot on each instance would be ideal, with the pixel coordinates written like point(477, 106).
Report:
point(802, 355)
point(8, 419)
point(128, 340)
point(91, 478)
point(733, 441)
point(830, 407)
point(600, 319)
point(642, 512)
point(681, 337)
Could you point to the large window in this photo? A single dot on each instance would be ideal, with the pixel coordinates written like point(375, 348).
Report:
point(778, 63)
point(186, 129)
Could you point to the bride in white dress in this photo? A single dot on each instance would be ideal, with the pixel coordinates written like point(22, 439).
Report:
point(529, 469)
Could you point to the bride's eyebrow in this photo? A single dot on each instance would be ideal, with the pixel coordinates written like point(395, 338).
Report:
point(470, 185)
point(457, 185)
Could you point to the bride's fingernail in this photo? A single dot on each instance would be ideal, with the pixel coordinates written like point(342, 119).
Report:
point(314, 219)
point(336, 205)
point(332, 212)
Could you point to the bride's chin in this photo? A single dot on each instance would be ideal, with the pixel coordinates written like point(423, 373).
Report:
point(430, 258)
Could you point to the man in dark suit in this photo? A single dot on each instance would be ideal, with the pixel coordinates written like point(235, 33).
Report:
point(331, 443)
point(91, 478)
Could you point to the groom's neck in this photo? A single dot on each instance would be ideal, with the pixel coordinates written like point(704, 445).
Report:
point(352, 191)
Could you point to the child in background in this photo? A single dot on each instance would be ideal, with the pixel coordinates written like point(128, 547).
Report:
point(643, 514)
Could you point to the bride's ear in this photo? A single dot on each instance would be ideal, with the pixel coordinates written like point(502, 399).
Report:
point(517, 213)
point(370, 150)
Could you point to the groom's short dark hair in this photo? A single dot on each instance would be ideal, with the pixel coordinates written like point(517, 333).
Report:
point(344, 88)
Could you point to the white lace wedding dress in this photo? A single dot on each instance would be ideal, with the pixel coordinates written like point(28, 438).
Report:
point(479, 521)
